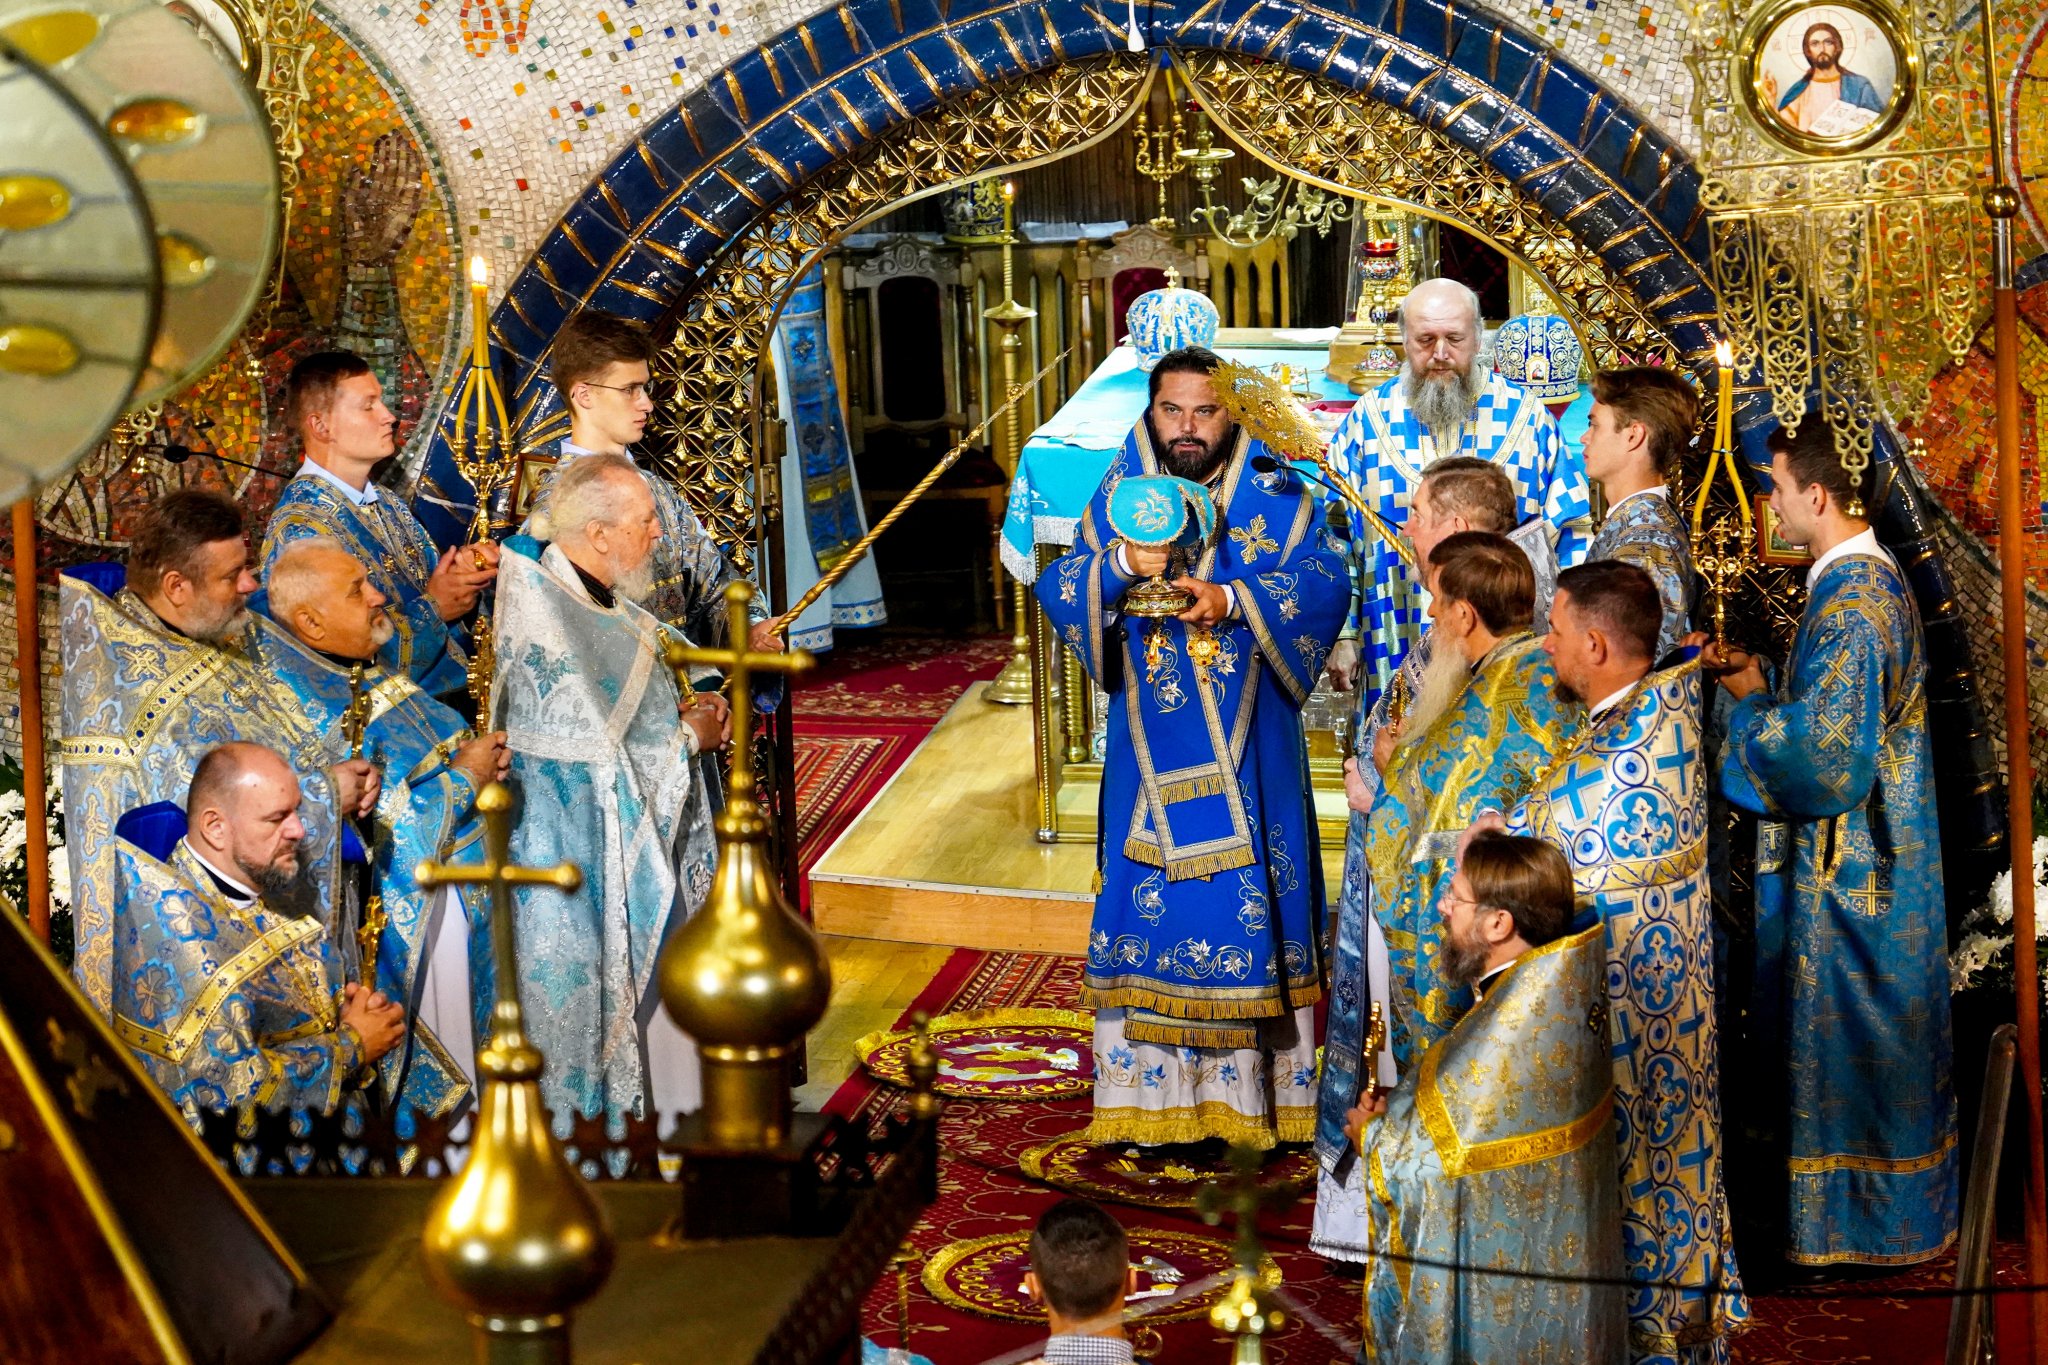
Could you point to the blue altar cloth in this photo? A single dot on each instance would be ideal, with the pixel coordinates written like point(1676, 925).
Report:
point(1065, 459)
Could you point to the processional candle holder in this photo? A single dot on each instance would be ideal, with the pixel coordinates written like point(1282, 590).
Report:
point(516, 1240)
point(1720, 566)
point(483, 455)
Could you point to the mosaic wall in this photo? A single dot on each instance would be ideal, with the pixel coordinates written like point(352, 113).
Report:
point(371, 266)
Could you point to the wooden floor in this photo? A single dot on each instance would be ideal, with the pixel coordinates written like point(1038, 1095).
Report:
point(872, 984)
point(947, 853)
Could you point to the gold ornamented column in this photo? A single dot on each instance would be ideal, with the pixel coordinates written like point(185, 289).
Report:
point(1012, 686)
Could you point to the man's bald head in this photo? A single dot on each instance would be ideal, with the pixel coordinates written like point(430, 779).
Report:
point(1440, 301)
point(322, 594)
point(242, 814)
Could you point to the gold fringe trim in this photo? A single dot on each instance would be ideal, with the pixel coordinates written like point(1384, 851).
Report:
point(1199, 865)
point(1308, 991)
point(1188, 789)
point(1209, 1119)
point(1166, 1035)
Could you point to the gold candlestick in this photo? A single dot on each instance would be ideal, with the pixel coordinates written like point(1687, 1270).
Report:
point(1723, 453)
point(1160, 157)
point(1012, 687)
point(482, 456)
point(516, 1240)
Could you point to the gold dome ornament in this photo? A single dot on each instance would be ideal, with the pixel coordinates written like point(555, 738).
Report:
point(745, 978)
point(516, 1240)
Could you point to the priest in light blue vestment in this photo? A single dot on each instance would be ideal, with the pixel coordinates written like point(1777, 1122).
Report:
point(1441, 405)
point(1204, 957)
point(602, 748)
point(328, 624)
point(1851, 984)
point(1627, 803)
point(1497, 1151)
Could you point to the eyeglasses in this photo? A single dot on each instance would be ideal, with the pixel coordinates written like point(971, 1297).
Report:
point(634, 392)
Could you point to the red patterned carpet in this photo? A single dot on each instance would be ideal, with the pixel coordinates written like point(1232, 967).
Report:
point(857, 721)
point(863, 712)
point(985, 1193)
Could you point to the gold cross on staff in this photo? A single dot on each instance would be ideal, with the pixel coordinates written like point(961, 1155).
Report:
point(508, 1022)
point(739, 664)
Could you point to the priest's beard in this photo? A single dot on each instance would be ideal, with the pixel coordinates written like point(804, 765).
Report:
point(275, 881)
point(635, 584)
point(1190, 457)
point(1461, 960)
point(221, 628)
point(381, 631)
point(1442, 399)
point(1443, 682)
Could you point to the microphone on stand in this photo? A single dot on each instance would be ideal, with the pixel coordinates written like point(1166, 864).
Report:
point(174, 453)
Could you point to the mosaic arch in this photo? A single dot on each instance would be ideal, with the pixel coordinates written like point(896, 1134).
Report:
point(713, 210)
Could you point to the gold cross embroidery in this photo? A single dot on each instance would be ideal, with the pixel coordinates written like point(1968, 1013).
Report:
point(1834, 730)
point(1252, 540)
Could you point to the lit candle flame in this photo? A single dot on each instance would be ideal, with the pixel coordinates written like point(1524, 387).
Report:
point(1724, 354)
point(1009, 189)
point(479, 271)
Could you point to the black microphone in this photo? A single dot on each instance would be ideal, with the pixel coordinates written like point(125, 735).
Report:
point(1266, 464)
point(174, 453)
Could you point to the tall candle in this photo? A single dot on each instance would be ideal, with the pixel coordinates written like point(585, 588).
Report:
point(479, 279)
point(1724, 412)
point(1009, 231)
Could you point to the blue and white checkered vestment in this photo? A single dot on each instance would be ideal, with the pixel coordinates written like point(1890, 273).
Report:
point(1381, 449)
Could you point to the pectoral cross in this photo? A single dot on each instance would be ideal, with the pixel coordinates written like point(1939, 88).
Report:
point(356, 719)
point(502, 1060)
point(740, 664)
point(1369, 1055)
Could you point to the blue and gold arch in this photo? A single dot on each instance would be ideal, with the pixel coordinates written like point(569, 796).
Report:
point(712, 212)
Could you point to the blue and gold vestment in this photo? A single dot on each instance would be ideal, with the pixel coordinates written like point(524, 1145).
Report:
point(1498, 1152)
point(1852, 984)
point(1644, 529)
point(1627, 802)
point(1207, 918)
point(399, 557)
point(225, 1005)
point(1482, 753)
point(425, 813)
point(1382, 449)
point(141, 705)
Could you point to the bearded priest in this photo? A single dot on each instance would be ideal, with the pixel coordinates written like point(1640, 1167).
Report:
point(1441, 405)
point(602, 743)
point(1205, 958)
point(156, 674)
point(331, 622)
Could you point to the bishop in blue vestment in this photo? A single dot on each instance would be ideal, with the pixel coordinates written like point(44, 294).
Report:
point(1204, 957)
point(1851, 982)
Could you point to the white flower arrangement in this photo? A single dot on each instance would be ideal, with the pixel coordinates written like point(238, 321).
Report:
point(14, 848)
point(1983, 955)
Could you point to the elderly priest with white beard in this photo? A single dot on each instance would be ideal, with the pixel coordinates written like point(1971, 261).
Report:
point(601, 740)
point(1441, 405)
